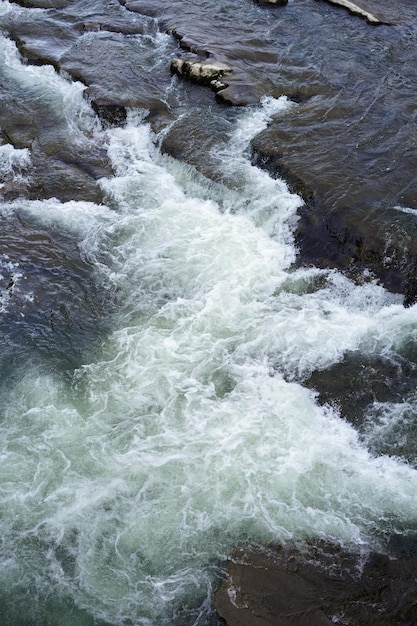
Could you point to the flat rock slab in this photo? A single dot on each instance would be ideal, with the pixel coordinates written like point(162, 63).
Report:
point(320, 586)
point(125, 81)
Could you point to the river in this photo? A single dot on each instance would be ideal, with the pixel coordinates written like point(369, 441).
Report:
point(162, 343)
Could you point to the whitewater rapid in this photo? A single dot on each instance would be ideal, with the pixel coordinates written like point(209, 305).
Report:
point(125, 484)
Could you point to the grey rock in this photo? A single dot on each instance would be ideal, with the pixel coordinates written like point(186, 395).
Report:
point(201, 72)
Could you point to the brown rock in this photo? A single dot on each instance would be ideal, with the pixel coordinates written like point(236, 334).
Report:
point(318, 586)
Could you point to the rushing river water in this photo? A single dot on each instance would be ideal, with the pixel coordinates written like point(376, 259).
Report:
point(156, 345)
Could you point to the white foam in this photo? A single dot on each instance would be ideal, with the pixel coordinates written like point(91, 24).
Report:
point(62, 97)
point(9, 7)
point(405, 209)
point(187, 437)
point(10, 276)
point(14, 164)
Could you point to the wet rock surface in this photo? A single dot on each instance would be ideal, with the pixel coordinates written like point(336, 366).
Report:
point(319, 586)
point(376, 395)
point(56, 167)
point(50, 304)
point(343, 239)
point(133, 86)
point(80, 42)
point(368, 223)
point(357, 383)
point(176, 142)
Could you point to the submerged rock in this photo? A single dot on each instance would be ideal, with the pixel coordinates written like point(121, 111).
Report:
point(189, 44)
point(51, 306)
point(56, 166)
point(278, 3)
point(318, 586)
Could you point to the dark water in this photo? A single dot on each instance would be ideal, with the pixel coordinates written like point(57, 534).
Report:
point(184, 369)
